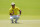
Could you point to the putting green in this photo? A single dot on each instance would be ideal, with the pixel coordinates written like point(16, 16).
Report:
point(22, 23)
point(30, 16)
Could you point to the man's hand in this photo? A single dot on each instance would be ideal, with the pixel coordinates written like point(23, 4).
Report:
point(11, 13)
point(18, 15)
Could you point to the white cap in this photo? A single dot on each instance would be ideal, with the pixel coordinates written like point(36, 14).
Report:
point(12, 3)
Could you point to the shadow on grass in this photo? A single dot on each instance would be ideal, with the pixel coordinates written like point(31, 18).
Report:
point(17, 23)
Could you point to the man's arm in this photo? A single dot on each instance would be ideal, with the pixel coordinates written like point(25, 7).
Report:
point(20, 12)
point(11, 13)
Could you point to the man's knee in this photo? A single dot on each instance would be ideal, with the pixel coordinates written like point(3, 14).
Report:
point(11, 18)
point(17, 16)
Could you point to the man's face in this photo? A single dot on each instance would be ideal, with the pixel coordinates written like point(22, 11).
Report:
point(13, 6)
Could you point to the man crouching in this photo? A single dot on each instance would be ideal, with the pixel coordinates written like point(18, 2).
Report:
point(13, 11)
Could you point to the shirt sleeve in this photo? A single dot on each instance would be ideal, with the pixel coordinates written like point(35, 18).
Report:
point(18, 9)
point(10, 10)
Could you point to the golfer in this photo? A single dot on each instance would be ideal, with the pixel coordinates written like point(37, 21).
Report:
point(13, 11)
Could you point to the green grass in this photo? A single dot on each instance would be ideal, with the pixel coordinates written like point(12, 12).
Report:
point(24, 23)
point(30, 9)
point(22, 17)
point(30, 16)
